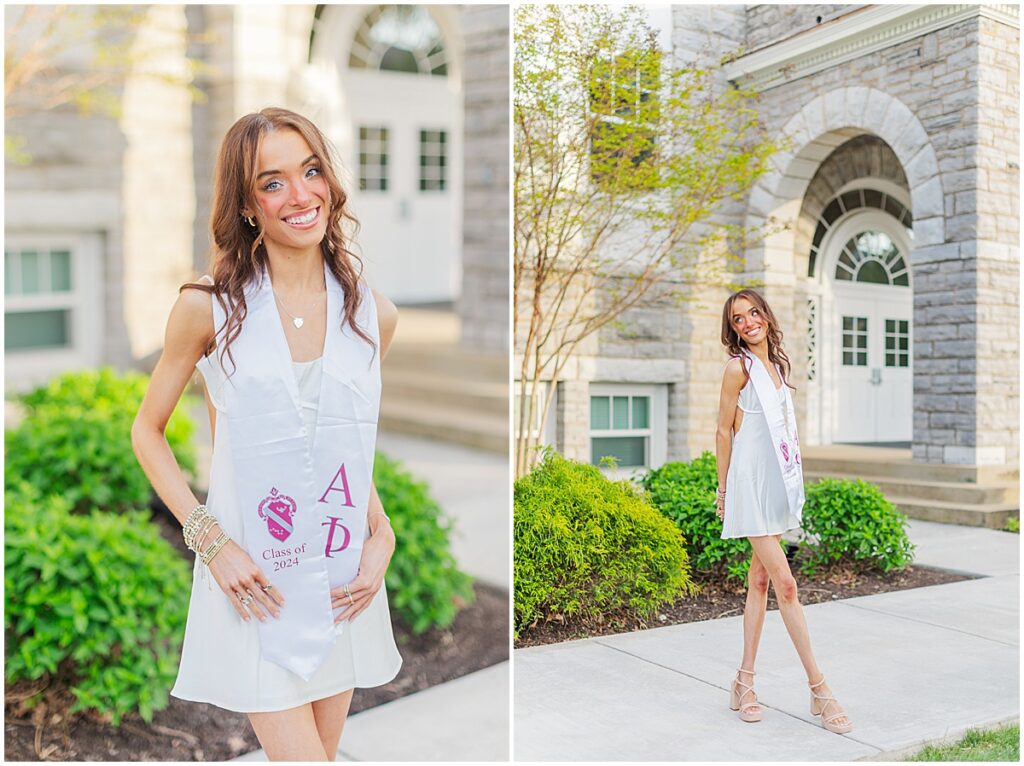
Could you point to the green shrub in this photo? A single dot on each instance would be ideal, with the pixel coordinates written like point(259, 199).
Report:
point(685, 493)
point(1013, 524)
point(97, 601)
point(852, 522)
point(585, 545)
point(424, 584)
point(75, 440)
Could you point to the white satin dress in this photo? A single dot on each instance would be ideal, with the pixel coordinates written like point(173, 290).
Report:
point(220, 658)
point(756, 503)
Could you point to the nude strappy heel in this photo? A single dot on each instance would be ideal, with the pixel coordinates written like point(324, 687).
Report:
point(820, 703)
point(736, 698)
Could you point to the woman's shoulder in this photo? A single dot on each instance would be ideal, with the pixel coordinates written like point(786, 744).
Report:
point(387, 316)
point(192, 314)
point(735, 368)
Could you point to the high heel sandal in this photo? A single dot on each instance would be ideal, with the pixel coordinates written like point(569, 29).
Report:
point(820, 703)
point(736, 698)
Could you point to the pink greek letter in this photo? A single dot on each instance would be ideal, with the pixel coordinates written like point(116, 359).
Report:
point(343, 488)
point(335, 523)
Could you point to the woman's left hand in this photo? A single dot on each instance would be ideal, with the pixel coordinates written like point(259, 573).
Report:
point(373, 564)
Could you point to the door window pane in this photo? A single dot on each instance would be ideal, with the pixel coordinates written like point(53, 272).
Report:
point(433, 160)
point(855, 341)
point(373, 158)
point(897, 343)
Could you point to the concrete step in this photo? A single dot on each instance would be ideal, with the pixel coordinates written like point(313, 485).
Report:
point(850, 460)
point(966, 493)
point(453, 424)
point(990, 515)
point(446, 359)
point(478, 395)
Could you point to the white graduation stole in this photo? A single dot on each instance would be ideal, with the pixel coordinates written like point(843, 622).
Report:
point(305, 519)
point(781, 419)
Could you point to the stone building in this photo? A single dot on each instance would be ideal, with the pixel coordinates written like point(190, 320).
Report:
point(898, 271)
point(110, 216)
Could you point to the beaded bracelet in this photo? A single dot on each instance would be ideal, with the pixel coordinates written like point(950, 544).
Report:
point(214, 549)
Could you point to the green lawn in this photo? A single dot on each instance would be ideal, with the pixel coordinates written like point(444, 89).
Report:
point(998, 745)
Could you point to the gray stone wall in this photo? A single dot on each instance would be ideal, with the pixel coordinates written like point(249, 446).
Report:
point(482, 306)
point(994, 200)
point(945, 80)
point(767, 24)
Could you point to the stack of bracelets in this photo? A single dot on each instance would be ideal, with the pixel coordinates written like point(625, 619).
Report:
point(195, 531)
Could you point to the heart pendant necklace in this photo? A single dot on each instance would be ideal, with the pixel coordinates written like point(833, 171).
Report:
point(297, 321)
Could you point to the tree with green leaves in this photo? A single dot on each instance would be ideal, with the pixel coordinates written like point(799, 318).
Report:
point(621, 159)
point(59, 56)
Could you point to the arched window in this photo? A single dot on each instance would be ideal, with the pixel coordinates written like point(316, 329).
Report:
point(853, 200)
point(872, 257)
point(399, 38)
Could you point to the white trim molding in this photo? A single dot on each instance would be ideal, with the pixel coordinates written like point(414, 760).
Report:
point(852, 35)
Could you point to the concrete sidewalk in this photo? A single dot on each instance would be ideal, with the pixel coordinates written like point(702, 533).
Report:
point(473, 488)
point(910, 667)
point(462, 720)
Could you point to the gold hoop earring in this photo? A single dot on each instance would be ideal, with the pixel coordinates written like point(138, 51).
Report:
point(250, 221)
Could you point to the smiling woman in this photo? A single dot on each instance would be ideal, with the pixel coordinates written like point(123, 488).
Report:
point(761, 491)
point(288, 338)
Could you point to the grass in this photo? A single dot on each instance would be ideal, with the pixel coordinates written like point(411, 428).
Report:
point(1001, 744)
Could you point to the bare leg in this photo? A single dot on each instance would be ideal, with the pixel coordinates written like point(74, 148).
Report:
point(289, 735)
point(774, 560)
point(754, 611)
point(753, 621)
point(330, 714)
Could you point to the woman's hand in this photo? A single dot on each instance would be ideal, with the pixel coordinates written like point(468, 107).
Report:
point(238, 575)
point(373, 564)
point(720, 504)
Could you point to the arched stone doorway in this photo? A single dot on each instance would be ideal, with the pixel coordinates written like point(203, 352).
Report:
point(810, 292)
point(396, 119)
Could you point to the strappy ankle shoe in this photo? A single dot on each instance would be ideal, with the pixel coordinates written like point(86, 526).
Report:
point(736, 698)
point(819, 706)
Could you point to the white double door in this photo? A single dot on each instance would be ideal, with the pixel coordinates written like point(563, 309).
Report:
point(409, 237)
point(874, 367)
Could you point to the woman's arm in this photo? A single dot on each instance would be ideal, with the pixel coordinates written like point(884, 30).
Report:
point(189, 333)
point(378, 549)
point(732, 382)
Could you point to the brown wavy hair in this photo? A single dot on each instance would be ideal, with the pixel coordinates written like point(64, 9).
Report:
point(238, 254)
point(736, 345)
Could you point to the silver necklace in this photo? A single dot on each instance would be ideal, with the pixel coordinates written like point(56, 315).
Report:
point(297, 321)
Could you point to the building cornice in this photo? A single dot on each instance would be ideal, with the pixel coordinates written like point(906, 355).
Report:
point(856, 34)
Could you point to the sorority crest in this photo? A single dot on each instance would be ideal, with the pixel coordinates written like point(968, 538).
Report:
point(277, 510)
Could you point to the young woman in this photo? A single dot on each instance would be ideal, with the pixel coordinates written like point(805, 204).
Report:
point(760, 491)
point(288, 339)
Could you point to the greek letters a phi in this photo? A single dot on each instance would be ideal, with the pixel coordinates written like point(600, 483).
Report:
point(338, 535)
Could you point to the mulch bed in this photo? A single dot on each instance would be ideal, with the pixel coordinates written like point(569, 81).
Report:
point(191, 731)
point(717, 600)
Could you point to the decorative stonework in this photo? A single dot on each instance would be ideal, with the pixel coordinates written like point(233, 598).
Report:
point(859, 34)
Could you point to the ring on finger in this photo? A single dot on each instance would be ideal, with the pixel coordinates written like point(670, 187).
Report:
point(351, 600)
point(246, 599)
point(347, 591)
point(268, 587)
